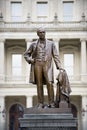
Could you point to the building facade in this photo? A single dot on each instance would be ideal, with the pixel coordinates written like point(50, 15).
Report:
point(65, 22)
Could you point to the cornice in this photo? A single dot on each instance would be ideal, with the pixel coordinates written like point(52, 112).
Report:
point(69, 47)
point(52, 29)
point(15, 48)
point(83, 39)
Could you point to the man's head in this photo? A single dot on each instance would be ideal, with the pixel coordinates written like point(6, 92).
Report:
point(41, 33)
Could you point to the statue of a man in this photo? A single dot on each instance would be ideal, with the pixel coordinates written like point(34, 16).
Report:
point(40, 55)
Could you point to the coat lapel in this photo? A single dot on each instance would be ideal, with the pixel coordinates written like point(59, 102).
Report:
point(47, 46)
point(35, 48)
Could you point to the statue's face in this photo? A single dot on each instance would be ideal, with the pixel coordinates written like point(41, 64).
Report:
point(41, 34)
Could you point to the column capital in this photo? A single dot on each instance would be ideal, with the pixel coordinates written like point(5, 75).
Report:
point(83, 39)
point(84, 96)
point(28, 39)
point(2, 96)
point(56, 39)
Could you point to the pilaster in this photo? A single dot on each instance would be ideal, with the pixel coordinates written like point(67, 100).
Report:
point(29, 101)
point(2, 113)
point(2, 60)
point(83, 60)
point(84, 112)
point(56, 41)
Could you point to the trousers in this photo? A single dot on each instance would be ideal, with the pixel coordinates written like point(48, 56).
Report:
point(40, 72)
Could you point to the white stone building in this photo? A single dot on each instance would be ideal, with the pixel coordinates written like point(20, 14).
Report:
point(65, 22)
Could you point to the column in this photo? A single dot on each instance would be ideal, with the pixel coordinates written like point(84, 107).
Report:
point(28, 42)
point(2, 113)
point(56, 41)
point(84, 112)
point(2, 60)
point(29, 101)
point(83, 60)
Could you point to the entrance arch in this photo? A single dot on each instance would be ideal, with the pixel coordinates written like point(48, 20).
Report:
point(15, 112)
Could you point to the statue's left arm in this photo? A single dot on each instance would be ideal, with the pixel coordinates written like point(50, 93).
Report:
point(56, 56)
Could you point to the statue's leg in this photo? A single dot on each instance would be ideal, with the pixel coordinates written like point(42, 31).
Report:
point(57, 95)
point(50, 88)
point(38, 74)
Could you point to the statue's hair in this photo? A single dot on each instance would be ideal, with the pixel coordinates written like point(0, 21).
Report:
point(40, 29)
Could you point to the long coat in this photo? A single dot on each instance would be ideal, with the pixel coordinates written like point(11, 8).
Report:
point(50, 54)
point(63, 85)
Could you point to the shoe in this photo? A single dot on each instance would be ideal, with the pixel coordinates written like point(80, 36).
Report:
point(40, 105)
point(52, 105)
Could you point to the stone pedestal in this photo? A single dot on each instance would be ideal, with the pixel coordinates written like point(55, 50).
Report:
point(48, 119)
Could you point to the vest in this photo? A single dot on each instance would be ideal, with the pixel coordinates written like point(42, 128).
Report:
point(40, 54)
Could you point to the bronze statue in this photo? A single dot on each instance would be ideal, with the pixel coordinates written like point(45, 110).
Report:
point(40, 55)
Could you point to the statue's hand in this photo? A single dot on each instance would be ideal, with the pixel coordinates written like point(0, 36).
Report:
point(61, 69)
point(31, 60)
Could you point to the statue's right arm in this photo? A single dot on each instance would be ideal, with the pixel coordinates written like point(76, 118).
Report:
point(28, 54)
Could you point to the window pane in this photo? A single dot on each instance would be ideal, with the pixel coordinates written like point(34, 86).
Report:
point(16, 64)
point(68, 63)
point(42, 8)
point(68, 11)
point(16, 11)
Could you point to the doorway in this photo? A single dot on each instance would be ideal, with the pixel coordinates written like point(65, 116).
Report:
point(74, 110)
point(16, 111)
